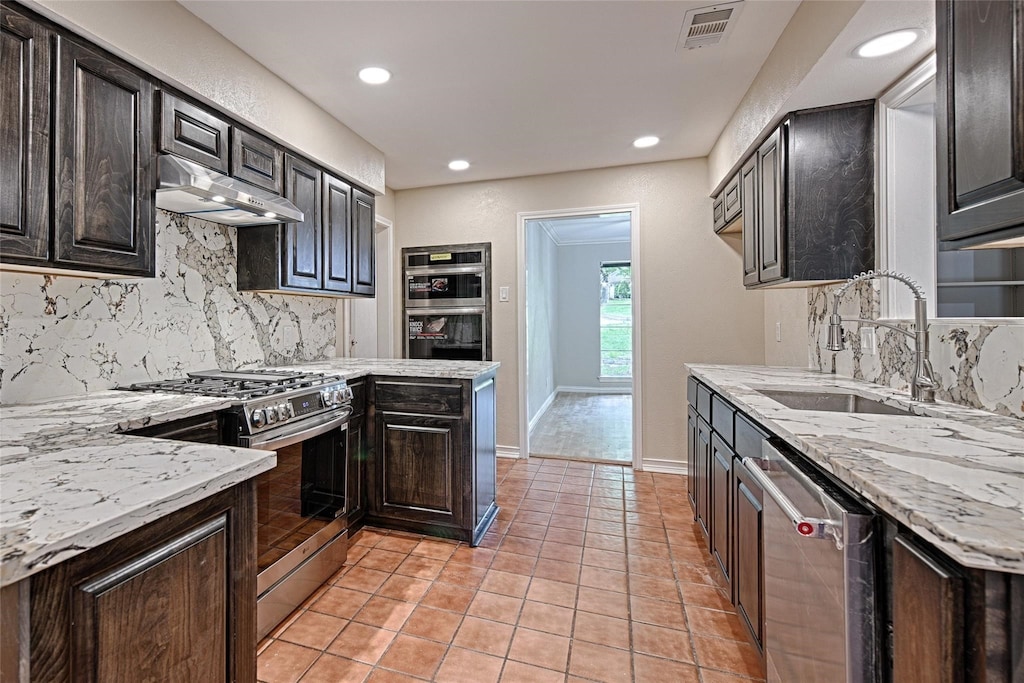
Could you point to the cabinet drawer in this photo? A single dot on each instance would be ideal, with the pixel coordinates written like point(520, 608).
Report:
point(418, 398)
point(722, 416)
point(704, 402)
point(256, 160)
point(749, 437)
point(193, 133)
point(691, 391)
point(718, 211)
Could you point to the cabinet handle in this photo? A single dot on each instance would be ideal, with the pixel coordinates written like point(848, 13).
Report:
point(808, 527)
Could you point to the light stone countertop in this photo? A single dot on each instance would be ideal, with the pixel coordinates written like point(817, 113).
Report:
point(954, 475)
point(70, 482)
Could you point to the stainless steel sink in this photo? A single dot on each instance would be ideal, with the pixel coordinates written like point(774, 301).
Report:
point(836, 402)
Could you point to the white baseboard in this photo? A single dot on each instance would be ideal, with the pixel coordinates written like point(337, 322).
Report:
point(540, 413)
point(507, 451)
point(623, 389)
point(664, 466)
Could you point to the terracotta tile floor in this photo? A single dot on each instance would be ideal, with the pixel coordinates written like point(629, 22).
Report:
point(590, 573)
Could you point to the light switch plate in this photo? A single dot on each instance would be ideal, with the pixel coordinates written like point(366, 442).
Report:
point(502, 293)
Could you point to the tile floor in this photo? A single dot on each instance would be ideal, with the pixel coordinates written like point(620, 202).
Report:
point(585, 427)
point(590, 573)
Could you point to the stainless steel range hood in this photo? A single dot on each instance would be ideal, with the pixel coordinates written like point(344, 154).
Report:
point(190, 189)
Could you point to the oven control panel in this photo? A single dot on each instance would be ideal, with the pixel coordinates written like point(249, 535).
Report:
point(292, 406)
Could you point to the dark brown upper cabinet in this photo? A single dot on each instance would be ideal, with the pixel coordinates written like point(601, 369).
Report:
point(24, 138)
point(105, 157)
point(732, 206)
point(193, 133)
point(337, 235)
point(363, 243)
point(78, 154)
point(256, 160)
point(979, 48)
point(808, 198)
point(330, 252)
point(302, 259)
point(718, 212)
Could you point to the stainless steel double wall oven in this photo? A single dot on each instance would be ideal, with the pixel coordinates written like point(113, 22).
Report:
point(447, 303)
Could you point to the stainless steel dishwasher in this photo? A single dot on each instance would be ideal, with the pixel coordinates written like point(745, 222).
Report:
point(819, 581)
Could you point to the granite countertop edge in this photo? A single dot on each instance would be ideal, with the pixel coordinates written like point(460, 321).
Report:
point(954, 475)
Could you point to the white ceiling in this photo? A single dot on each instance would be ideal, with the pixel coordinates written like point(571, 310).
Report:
point(541, 86)
point(603, 228)
point(516, 88)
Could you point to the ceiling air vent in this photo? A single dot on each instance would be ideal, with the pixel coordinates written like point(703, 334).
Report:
point(709, 25)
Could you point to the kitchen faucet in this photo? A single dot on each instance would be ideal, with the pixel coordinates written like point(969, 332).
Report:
point(922, 385)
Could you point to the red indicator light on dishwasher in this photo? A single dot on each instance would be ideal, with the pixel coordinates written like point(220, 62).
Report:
point(805, 528)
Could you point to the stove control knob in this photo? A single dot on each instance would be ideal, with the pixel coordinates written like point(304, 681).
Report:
point(258, 418)
point(285, 411)
point(339, 396)
point(271, 415)
point(326, 396)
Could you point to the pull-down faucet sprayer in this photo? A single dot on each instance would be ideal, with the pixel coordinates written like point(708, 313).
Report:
point(922, 386)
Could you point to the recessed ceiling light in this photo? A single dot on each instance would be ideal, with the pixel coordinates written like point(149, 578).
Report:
point(646, 141)
point(458, 165)
point(374, 75)
point(217, 198)
point(887, 43)
point(270, 214)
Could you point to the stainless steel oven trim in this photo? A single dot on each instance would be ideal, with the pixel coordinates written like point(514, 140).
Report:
point(470, 268)
point(270, 576)
point(289, 434)
point(433, 310)
point(819, 528)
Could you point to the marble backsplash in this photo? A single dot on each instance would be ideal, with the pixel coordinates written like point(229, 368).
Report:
point(977, 364)
point(63, 335)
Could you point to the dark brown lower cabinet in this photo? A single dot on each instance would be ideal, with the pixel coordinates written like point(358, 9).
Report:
point(172, 601)
point(748, 560)
point(358, 454)
point(927, 617)
point(703, 470)
point(433, 466)
point(721, 508)
point(691, 458)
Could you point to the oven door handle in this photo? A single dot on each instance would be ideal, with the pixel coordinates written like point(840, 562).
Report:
point(803, 525)
point(271, 441)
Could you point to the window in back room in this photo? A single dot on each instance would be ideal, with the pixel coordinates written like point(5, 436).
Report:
point(616, 320)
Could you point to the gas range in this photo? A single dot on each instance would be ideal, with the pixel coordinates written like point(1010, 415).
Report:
point(263, 399)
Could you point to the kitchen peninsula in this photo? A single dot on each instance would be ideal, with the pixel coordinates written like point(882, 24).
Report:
point(92, 512)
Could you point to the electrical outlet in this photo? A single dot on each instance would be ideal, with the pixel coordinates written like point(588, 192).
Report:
point(868, 341)
point(502, 293)
point(778, 331)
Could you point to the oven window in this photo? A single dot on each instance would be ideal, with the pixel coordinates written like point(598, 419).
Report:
point(299, 497)
point(446, 336)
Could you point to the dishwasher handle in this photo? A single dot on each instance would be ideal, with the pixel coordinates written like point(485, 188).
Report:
point(809, 527)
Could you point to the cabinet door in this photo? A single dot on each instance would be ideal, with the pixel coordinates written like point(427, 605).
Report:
point(718, 212)
point(419, 470)
point(363, 243)
point(751, 220)
point(771, 235)
point(104, 153)
point(256, 160)
point(302, 256)
point(721, 507)
point(24, 138)
point(927, 617)
point(338, 262)
point(193, 133)
point(691, 458)
point(732, 201)
point(703, 456)
point(748, 575)
point(980, 117)
point(357, 456)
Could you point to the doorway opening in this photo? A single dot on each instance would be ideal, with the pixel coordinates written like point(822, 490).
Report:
point(578, 324)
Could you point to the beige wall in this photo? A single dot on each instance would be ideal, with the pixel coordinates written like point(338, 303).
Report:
point(810, 32)
point(693, 305)
point(166, 39)
point(788, 308)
